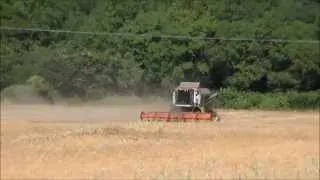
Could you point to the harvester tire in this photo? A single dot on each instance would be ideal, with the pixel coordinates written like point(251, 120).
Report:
point(215, 116)
point(196, 109)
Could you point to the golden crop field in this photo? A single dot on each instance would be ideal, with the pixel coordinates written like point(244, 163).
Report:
point(103, 142)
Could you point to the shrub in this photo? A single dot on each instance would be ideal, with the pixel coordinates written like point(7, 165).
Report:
point(35, 90)
point(42, 88)
point(229, 98)
point(21, 94)
point(303, 100)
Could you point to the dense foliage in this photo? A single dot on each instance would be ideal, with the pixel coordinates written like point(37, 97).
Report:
point(86, 64)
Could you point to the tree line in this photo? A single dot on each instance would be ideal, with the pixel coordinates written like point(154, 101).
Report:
point(87, 65)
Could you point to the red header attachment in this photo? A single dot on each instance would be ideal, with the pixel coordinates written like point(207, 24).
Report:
point(168, 116)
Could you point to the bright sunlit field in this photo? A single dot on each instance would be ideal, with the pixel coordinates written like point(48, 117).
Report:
point(101, 142)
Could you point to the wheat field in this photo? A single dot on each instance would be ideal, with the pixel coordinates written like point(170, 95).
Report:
point(109, 142)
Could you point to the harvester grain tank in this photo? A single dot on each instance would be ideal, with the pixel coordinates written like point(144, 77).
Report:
point(189, 101)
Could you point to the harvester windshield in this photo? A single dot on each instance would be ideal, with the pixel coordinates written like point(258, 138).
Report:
point(183, 96)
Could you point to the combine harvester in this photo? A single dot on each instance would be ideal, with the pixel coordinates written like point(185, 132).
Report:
point(190, 102)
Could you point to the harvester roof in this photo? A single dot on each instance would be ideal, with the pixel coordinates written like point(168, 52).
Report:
point(191, 85)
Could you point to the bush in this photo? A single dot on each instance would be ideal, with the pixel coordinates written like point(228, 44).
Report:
point(36, 90)
point(229, 98)
point(42, 88)
point(303, 100)
point(274, 101)
point(21, 94)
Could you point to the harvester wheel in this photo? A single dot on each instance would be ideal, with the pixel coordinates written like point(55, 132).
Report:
point(196, 109)
point(215, 116)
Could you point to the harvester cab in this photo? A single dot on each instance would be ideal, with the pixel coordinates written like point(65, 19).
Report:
point(189, 101)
